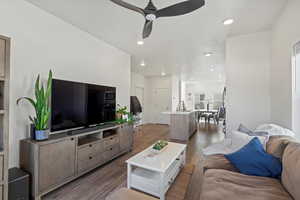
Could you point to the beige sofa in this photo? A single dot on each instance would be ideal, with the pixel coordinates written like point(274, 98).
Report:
point(222, 181)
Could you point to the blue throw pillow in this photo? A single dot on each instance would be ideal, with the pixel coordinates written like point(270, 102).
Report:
point(253, 160)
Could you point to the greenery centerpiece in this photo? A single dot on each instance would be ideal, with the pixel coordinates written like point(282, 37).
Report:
point(160, 145)
point(41, 105)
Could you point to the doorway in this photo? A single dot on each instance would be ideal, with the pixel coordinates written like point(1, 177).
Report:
point(139, 92)
point(161, 103)
point(296, 88)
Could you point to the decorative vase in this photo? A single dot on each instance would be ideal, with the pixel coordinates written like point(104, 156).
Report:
point(32, 131)
point(119, 116)
point(41, 135)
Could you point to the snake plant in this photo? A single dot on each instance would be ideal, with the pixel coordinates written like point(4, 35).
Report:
point(41, 103)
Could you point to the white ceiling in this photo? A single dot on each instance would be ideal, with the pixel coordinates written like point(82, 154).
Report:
point(177, 44)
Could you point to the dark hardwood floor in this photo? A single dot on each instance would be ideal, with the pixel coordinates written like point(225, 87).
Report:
point(97, 184)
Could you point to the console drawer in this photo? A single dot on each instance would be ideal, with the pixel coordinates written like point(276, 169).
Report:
point(88, 150)
point(111, 152)
point(110, 141)
point(89, 162)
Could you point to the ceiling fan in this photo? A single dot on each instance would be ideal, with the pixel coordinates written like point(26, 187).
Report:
point(151, 12)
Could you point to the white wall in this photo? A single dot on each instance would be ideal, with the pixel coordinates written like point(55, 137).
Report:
point(175, 92)
point(137, 80)
point(41, 42)
point(138, 89)
point(285, 34)
point(152, 83)
point(247, 74)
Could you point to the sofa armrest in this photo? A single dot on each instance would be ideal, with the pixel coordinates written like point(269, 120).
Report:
point(217, 162)
point(276, 145)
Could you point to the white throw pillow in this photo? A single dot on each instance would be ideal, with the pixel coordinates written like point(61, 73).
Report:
point(232, 144)
point(273, 129)
point(239, 139)
point(218, 148)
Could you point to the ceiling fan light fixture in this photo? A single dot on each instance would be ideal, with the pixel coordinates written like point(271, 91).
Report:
point(208, 54)
point(140, 42)
point(227, 22)
point(151, 17)
point(143, 64)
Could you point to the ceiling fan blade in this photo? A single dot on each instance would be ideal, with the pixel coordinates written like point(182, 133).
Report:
point(180, 8)
point(147, 29)
point(129, 6)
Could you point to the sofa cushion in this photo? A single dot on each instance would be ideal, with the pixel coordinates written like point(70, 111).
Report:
point(277, 144)
point(221, 184)
point(239, 139)
point(217, 162)
point(253, 160)
point(291, 167)
point(127, 194)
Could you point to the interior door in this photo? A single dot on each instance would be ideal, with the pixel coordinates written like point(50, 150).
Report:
point(162, 99)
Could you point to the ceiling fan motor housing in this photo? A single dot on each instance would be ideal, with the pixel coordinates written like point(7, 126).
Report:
point(150, 11)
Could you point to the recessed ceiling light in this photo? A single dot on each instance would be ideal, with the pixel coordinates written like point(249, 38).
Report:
point(228, 22)
point(207, 54)
point(163, 73)
point(143, 64)
point(140, 42)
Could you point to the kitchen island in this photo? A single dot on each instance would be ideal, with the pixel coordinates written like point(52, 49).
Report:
point(183, 125)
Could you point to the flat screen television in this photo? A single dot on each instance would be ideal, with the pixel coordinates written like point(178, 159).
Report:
point(75, 105)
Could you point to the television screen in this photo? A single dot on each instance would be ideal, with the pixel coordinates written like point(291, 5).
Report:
point(81, 105)
point(101, 106)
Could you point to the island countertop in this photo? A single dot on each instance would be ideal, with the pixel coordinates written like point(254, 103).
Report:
point(183, 124)
point(178, 112)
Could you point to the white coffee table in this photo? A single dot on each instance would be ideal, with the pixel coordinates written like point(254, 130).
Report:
point(154, 173)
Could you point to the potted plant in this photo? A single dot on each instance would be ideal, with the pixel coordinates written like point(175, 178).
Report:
point(122, 115)
point(41, 105)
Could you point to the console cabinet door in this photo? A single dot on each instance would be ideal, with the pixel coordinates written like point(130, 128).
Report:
point(56, 163)
point(126, 137)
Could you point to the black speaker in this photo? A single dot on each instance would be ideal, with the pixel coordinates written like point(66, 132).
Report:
point(18, 184)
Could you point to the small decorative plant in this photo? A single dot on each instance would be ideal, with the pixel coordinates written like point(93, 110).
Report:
point(123, 115)
point(41, 105)
point(159, 145)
